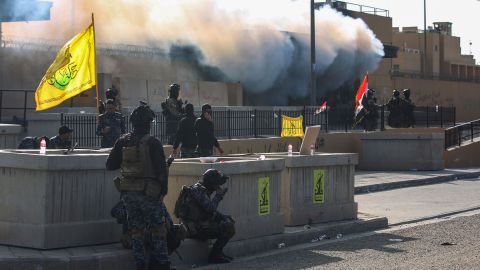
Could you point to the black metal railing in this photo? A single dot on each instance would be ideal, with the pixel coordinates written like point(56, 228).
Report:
point(14, 105)
point(461, 134)
point(251, 122)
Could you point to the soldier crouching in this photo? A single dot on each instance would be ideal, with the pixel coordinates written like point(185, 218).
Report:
point(199, 213)
point(144, 182)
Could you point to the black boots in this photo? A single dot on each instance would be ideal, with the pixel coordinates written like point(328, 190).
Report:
point(219, 257)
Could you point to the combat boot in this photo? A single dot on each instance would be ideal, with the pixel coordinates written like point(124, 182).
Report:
point(218, 257)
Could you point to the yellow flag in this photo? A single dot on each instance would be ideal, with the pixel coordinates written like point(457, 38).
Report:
point(72, 72)
point(292, 127)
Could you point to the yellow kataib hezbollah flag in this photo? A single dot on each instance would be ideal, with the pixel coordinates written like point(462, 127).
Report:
point(292, 126)
point(72, 71)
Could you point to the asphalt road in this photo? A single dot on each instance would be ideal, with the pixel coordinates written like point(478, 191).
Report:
point(404, 247)
point(412, 246)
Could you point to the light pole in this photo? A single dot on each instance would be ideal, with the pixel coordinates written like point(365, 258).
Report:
point(313, 88)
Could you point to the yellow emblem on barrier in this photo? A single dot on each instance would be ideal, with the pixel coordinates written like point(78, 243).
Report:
point(263, 196)
point(318, 186)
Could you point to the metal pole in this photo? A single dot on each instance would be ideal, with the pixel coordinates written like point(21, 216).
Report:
point(313, 93)
point(425, 39)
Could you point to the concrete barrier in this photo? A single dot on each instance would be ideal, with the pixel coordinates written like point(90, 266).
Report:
point(243, 200)
point(55, 200)
point(390, 151)
point(318, 188)
point(9, 136)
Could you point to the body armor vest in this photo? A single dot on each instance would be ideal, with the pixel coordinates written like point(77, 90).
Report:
point(136, 168)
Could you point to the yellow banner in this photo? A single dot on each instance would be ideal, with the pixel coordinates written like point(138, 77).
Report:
point(318, 186)
point(72, 72)
point(263, 196)
point(292, 126)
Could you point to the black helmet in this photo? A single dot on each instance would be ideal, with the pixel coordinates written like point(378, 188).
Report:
point(173, 90)
point(206, 107)
point(213, 177)
point(111, 93)
point(396, 93)
point(142, 115)
point(406, 93)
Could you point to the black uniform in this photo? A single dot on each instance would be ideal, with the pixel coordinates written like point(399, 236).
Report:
point(206, 137)
point(116, 124)
point(186, 136)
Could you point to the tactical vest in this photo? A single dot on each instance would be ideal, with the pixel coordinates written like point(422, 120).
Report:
point(136, 168)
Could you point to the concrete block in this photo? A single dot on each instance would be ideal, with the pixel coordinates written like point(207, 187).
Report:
point(390, 151)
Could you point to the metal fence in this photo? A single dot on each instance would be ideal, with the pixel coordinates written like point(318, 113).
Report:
point(14, 105)
point(461, 134)
point(251, 122)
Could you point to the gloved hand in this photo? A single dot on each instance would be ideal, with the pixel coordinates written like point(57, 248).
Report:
point(221, 191)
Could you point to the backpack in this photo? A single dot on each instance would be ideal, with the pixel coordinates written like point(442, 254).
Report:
point(181, 206)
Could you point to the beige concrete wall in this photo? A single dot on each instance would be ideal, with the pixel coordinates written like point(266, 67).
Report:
point(463, 157)
point(463, 95)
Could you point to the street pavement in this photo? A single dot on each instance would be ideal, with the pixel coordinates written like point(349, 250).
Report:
point(441, 244)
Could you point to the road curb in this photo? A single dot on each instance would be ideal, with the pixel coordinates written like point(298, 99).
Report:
point(413, 183)
point(121, 259)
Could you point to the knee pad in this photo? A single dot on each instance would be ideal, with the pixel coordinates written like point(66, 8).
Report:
point(159, 231)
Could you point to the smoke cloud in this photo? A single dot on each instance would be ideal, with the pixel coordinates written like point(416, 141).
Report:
point(265, 44)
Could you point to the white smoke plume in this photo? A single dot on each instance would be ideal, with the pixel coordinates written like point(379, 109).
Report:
point(262, 44)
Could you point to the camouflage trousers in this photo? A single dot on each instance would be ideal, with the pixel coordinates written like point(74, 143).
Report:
point(220, 228)
point(142, 210)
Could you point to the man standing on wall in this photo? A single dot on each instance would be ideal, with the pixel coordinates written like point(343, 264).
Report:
point(186, 135)
point(173, 111)
point(205, 133)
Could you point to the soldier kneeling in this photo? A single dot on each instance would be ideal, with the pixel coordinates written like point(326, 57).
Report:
point(198, 211)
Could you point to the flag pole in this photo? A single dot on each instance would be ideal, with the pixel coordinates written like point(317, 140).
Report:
point(96, 76)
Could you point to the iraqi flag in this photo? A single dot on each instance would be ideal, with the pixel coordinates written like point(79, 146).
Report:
point(360, 94)
point(321, 108)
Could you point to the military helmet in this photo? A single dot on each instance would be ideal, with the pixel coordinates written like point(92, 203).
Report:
point(142, 114)
point(396, 93)
point(206, 107)
point(213, 177)
point(173, 90)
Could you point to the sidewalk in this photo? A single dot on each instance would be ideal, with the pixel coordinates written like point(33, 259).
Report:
point(374, 181)
point(114, 257)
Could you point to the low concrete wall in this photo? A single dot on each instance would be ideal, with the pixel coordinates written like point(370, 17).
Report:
point(10, 136)
point(242, 200)
point(55, 200)
point(463, 157)
point(402, 151)
point(299, 188)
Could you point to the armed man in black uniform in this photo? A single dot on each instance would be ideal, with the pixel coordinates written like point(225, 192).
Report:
point(186, 135)
point(111, 125)
point(394, 107)
point(199, 213)
point(173, 111)
point(143, 183)
point(407, 109)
